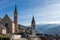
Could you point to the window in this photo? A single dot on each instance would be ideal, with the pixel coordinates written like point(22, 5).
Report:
point(6, 25)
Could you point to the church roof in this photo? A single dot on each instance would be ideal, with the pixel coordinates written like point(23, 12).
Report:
point(2, 27)
point(7, 17)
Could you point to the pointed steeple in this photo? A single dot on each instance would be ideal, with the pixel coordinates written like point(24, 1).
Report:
point(33, 27)
point(33, 23)
point(33, 20)
point(15, 7)
point(15, 11)
point(16, 19)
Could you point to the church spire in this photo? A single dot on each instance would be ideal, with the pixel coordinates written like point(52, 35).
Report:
point(16, 19)
point(15, 11)
point(33, 27)
point(33, 22)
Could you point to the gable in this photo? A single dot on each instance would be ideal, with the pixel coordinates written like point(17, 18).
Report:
point(7, 18)
point(7, 22)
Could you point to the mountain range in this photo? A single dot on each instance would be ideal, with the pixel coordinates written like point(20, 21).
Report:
point(51, 29)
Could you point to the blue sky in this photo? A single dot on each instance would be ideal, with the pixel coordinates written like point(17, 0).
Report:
point(44, 11)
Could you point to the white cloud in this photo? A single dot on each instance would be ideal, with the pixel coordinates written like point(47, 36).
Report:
point(48, 14)
point(48, 22)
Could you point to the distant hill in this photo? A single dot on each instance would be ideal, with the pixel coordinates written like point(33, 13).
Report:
point(22, 26)
point(51, 29)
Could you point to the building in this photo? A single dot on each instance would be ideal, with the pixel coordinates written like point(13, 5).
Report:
point(32, 31)
point(2, 29)
point(11, 26)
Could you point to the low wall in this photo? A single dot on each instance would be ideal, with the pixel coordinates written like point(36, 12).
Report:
point(23, 39)
point(34, 38)
point(15, 37)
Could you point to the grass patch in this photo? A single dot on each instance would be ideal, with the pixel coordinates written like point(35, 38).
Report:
point(5, 37)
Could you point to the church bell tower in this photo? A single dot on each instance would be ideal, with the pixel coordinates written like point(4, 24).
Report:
point(33, 27)
point(16, 19)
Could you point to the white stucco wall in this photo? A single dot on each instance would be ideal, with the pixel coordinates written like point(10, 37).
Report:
point(3, 31)
point(15, 37)
point(13, 28)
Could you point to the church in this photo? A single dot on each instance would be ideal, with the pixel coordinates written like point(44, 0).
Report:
point(7, 26)
point(13, 26)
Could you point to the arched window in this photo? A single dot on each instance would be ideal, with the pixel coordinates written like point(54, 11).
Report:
point(6, 25)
